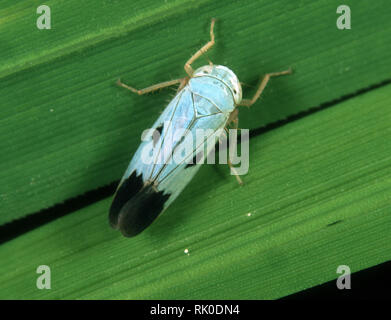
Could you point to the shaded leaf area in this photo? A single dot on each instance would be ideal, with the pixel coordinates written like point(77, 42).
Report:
point(316, 197)
point(67, 129)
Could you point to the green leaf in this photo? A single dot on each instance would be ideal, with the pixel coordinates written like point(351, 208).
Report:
point(316, 197)
point(67, 129)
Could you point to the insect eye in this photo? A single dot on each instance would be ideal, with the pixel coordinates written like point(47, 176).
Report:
point(235, 92)
point(206, 72)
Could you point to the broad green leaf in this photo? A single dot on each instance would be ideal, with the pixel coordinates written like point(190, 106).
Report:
point(66, 128)
point(317, 196)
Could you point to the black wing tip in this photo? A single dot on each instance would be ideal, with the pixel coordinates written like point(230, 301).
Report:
point(141, 210)
point(132, 212)
point(126, 190)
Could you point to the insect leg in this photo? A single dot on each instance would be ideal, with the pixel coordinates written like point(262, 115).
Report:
point(240, 181)
point(265, 80)
point(234, 118)
point(155, 87)
point(189, 70)
point(182, 83)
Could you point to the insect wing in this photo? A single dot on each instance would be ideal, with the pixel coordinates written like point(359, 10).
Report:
point(155, 176)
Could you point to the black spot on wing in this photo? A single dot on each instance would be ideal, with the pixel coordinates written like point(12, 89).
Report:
point(156, 136)
point(160, 128)
point(128, 189)
point(141, 210)
point(190, 165)
point(196, 159)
